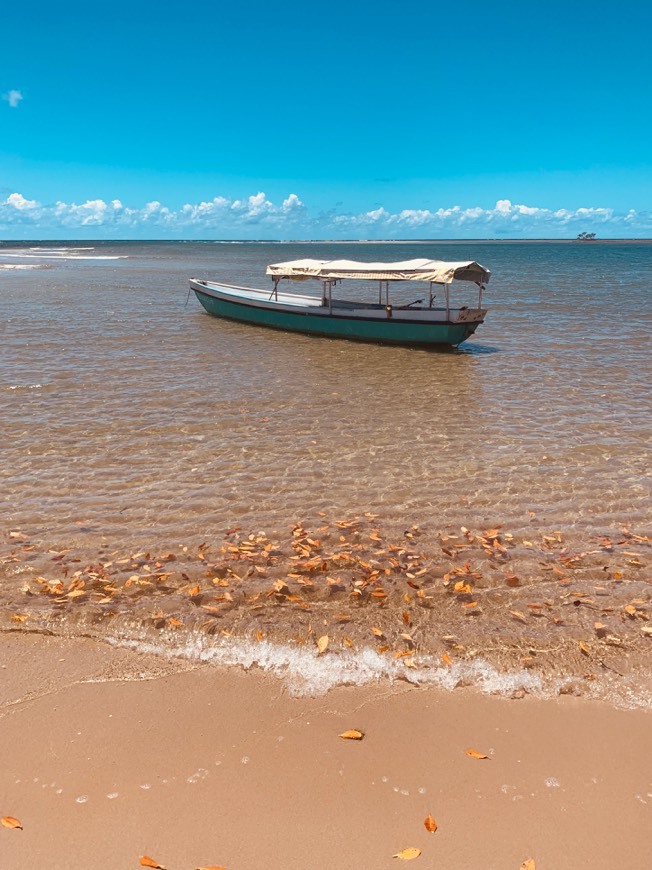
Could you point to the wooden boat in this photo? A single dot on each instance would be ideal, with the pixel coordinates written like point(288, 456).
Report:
point(419, 322)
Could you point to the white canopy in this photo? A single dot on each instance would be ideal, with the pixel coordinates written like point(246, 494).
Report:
point(408, 270)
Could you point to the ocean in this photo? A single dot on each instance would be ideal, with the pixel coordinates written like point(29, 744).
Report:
point(334, 512)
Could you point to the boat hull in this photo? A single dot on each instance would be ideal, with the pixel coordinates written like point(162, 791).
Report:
point(372, 329)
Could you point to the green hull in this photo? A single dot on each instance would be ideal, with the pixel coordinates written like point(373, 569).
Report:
point(358, 329)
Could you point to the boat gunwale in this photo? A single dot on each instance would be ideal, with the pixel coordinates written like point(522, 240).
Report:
point(320, 310)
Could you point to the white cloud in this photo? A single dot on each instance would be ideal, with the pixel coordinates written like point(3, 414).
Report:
point(256, 216)
point(13, 97)
point(18, 201)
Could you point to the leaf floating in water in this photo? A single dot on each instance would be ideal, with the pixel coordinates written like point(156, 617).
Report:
point(408, 854)
point(473, 754)
point(518, 615)
point(430, 824)
point(322, 644)
point(11, 822)
point(353, 734)
point(146, 861)
point(528, 864)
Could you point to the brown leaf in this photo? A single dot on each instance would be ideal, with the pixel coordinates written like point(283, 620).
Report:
point(528, 864)
point(353, 734)
point(408, 854)
point(11, 822)
point(584, 648)
point(473, 754)
point(322, 644)
point(447, 660)
point(430, 824)
point(520, 616)
point(146, 861)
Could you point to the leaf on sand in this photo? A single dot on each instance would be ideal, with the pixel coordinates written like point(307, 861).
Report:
point(210, 867)
point(322, 644)
point(584, 648)
point(146, 861)
point(528, 864)
point(353, 734)
point(473, 754)
point(11, 822)
point(408, 854)
point(430, 824)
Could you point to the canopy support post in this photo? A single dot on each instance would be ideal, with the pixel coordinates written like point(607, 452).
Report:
point(330, 297)
point(380, 292)
point(386, 292)
point(275, 290)
point(447, 302)
point(430, 294)
point(480, 296)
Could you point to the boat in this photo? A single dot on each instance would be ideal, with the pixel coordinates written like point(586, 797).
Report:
point(379, 320)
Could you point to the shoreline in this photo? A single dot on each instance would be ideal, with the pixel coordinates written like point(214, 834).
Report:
point(107, 755)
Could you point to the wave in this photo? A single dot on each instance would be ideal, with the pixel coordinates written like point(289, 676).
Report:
point(307, 673)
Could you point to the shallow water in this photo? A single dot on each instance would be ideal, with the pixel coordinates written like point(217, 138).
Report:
point(132, 422)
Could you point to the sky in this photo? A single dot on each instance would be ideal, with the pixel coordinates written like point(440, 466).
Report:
point(334, 119)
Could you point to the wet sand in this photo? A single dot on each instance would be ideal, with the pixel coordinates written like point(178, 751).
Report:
point(108, 755)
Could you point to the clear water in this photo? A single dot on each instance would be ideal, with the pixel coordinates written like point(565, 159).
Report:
point(133, 422)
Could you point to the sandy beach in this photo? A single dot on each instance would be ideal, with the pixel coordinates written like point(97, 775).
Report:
point(109, 755)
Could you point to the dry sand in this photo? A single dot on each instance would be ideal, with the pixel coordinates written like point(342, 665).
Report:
point(218, 767)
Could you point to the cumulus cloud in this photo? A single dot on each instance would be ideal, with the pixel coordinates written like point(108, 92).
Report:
point(13, 97)
point(258, 217)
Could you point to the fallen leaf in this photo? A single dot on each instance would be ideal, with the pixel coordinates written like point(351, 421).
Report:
point(430, 824)
point(11, 822)
point(210, 867)
point(353, 734)
point(408, 854)
point(473, 754)
point(447, 660)
point(322, 644)
point(146, 861)
point(584, 648)
point(528, 864)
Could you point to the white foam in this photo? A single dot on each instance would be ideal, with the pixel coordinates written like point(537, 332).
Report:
point(67, 254)
point(25, 387)
point(305, 673)
point(18, 266)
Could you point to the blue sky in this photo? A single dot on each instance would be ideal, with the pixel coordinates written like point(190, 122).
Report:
point(338, 119)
